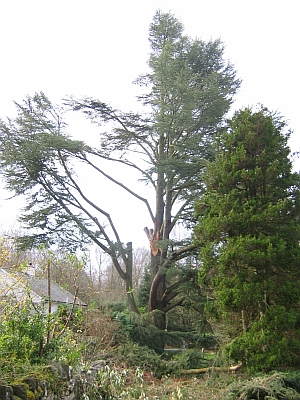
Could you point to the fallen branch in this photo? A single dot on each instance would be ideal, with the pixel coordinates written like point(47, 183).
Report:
point(207, 369)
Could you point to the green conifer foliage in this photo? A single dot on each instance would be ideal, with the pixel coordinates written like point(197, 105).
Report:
point(249, 236)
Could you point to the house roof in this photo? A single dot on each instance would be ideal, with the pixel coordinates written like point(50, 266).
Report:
point(59, 295)
point(12, 287)
point(19, 286)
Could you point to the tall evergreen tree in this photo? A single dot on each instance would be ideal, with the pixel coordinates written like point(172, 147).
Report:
point(249, 237)
point(188, 90)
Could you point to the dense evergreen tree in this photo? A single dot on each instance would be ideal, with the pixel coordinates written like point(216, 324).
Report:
point(249, 236)
point(188, 90)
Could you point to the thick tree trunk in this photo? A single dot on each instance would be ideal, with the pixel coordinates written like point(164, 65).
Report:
point(158, 299)
point(158, 283)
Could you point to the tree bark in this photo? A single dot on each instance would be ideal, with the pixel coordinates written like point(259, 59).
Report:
point(202, 370)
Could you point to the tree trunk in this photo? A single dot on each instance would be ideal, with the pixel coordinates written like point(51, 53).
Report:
point(207, 369)
point(158, 284)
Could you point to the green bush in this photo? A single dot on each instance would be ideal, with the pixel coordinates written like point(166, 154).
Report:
point(21, 332)
point(73, 318)
point(133, 355)
point(139, 330)
point(269, 343)
point(190, 359)
point(65, 348)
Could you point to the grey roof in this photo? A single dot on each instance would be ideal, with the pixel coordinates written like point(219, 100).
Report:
point(16, 286)
point(59, 295)
point(12, 287)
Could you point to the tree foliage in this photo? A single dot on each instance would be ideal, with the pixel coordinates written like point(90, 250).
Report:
point(249, 235)
point(186, 93)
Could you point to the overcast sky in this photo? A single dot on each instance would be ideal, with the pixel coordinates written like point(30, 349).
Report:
point(97, 48)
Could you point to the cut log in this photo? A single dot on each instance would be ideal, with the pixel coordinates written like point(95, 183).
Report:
point(202, 370)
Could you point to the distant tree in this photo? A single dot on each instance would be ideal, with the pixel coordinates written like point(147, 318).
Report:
point(141, 261)
point(188, 90)
point(144, 288)
point(11, 257)
point(68, 271)
point(249, 237)
point(106, 279)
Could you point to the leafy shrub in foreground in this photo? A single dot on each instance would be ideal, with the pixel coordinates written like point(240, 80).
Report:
point(112, 384)
point(21, 332)
point(23, 336)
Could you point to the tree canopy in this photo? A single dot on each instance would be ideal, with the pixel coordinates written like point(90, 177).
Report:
point(186, 93)
point(249, 235)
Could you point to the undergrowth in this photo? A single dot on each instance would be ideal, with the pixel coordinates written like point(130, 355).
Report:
point(278, 385)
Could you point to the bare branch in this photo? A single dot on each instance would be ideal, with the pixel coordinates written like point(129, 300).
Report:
point(119, 160)
point(124, 187)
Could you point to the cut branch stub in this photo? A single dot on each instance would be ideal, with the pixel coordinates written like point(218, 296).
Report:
point(153, 240)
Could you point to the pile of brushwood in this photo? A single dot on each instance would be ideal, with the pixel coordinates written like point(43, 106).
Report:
point(278, 385)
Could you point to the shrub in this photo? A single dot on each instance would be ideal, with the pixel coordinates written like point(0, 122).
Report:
point(112, 384)
point(66, 348)
point(190, 359)
point(138, 329)
point(21, 332)
point(268, 344)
